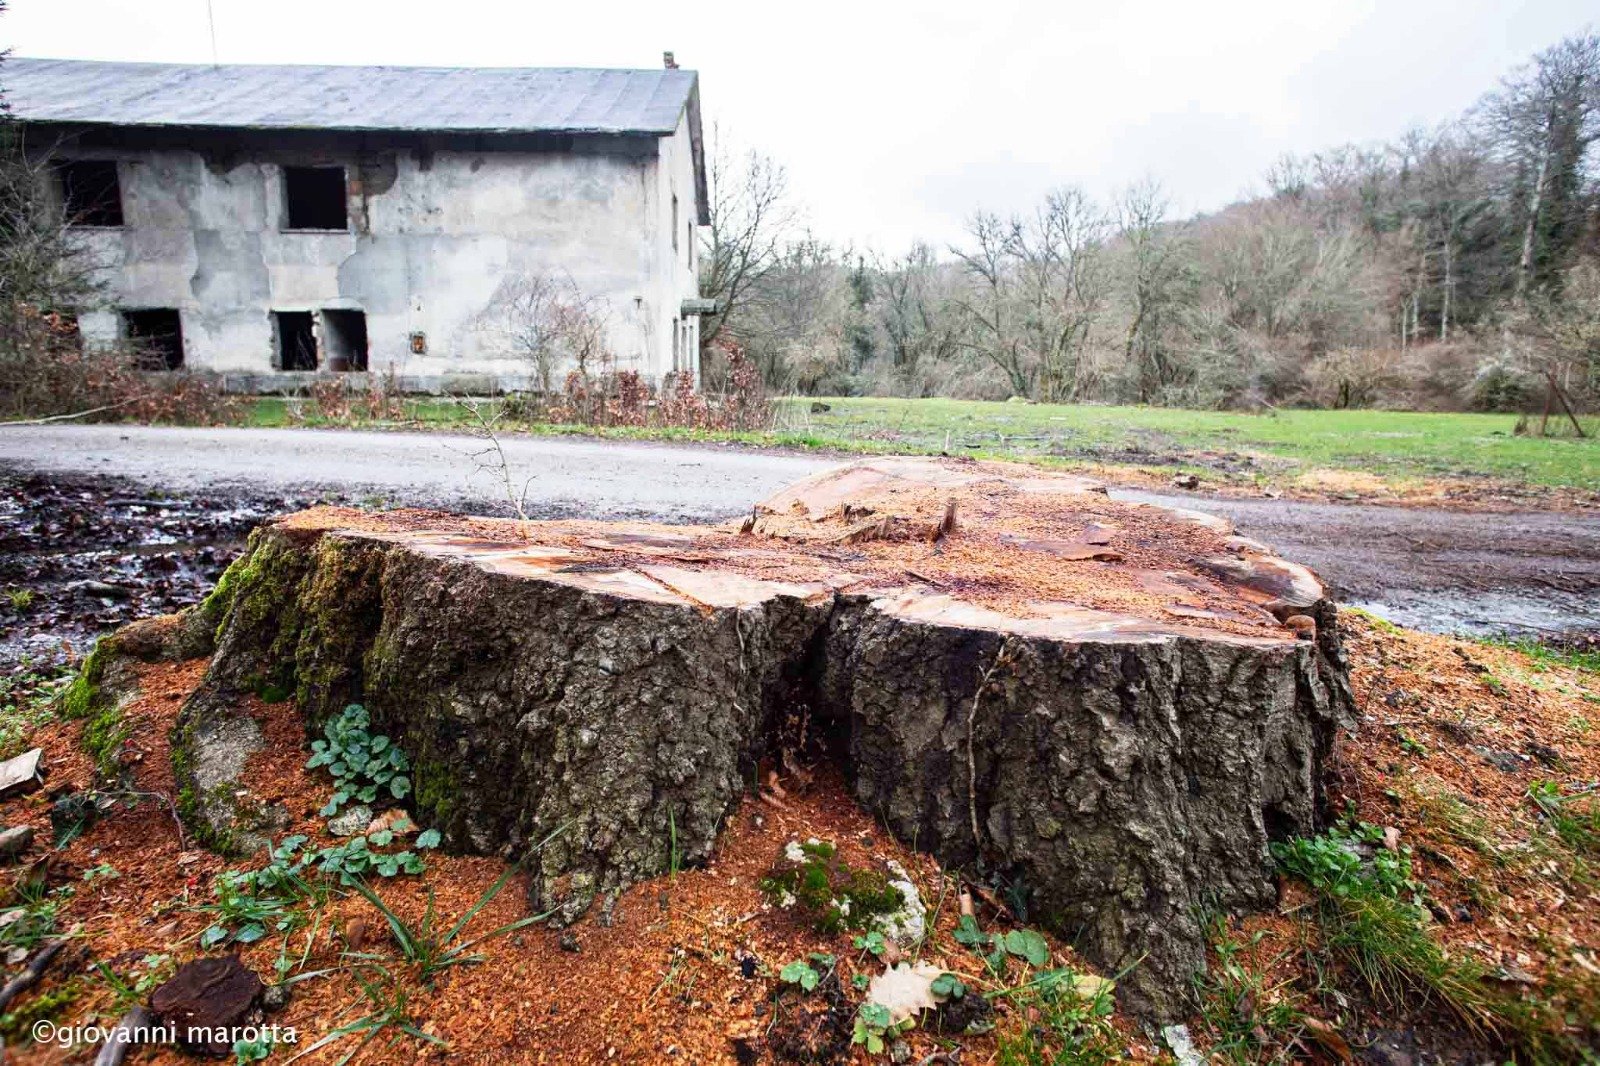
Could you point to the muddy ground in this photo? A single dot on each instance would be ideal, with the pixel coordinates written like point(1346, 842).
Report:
point(81, 556)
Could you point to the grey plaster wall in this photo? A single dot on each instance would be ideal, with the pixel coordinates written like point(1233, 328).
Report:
point(432, 237)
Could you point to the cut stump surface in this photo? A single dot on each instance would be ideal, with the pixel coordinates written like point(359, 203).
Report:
point(1113, 706)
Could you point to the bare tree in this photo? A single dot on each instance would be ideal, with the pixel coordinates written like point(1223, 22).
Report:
point(548, 322)
point(913, 311)
point(42, 266)
point(794, 317)
point(751, 221)
point(990, 304)
point(1153, 249)
point(1558, 335)
point(1063, 279)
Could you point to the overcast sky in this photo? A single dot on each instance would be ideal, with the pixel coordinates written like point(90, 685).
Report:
point(896, 120)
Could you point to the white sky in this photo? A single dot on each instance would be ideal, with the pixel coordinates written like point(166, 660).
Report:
point(896, 120)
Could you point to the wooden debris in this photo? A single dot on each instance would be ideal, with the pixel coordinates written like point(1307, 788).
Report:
point(206, 998)
point(30, 973)
point(122, 1036)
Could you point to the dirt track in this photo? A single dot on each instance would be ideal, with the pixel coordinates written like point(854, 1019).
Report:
point(1439, 570)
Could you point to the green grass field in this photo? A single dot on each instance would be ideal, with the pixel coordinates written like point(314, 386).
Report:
point(1386, 443)
point(1275, 447)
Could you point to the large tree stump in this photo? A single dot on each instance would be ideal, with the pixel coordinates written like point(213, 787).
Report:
point(1114, 706)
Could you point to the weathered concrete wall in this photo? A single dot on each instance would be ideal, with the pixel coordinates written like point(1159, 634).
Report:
point(432, 237)
point(677, 266)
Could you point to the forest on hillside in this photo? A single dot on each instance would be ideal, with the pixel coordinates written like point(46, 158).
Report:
point(1456, 267)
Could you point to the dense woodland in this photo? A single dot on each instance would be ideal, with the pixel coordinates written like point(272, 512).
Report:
point(1455, 267)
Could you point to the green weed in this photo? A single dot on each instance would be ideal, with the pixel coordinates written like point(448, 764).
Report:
point(1062, 1023)
point(1247, 1019)
point(1573, 817)
point(1370, 912)
point(433, 950)
point(362, 765)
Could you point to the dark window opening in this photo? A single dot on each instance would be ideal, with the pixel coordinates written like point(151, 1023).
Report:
point(90, 192)
point(346, 335)
point(314, 198)
point(156, 337)
point(297, 341)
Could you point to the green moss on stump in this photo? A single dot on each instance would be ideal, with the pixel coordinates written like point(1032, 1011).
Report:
point(828, 893)
point(434, 789)
point(86, 698)
point(83, 698)
point(338, 610)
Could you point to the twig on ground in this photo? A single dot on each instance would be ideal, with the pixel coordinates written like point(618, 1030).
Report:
point(69, 417)
point(122, 1037)
point(31, 973)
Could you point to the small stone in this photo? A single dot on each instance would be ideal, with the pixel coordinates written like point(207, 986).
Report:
point(1551, 757)
point(909, 924)
point(1182, 1045)
point(352, 822)
point(20, 775)
point(275, 997)
point(899, 1052)
point(569, 943)
point(1507, 762)
point(15, 841)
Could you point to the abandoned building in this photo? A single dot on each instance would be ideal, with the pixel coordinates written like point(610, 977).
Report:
point(268, 221)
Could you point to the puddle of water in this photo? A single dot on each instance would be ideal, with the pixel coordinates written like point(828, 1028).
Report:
point(1485, 614)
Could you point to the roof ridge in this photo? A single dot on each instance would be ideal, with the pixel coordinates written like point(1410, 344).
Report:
point(280, 96)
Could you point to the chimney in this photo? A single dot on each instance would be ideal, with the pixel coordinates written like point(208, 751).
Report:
point(669, 61)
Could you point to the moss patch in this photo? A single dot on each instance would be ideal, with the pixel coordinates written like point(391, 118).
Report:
point(83, 698)
point(832, 896)
point(435, 789)
point(339, 613)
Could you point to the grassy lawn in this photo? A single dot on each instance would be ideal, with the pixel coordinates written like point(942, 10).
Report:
point(1279, 447)
point(1392, 444)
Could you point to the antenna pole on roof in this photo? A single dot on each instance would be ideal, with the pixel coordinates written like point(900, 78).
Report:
point(211, 20)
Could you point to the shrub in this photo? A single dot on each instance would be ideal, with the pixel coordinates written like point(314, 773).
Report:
point(45, 370)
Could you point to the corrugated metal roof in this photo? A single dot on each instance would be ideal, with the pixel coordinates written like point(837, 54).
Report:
point(443, 99)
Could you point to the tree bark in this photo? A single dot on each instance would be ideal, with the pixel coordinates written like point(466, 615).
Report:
point(1099, 701)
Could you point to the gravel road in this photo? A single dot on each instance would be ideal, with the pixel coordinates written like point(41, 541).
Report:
point(1433, 569)
point(563, 476)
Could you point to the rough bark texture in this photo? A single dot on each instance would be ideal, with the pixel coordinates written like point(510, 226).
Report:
point(617, 689)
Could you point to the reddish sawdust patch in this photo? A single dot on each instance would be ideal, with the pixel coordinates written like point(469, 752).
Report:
point(1490, 723)
point(662, 982)
point(1451, 736)
point(1023, 542)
